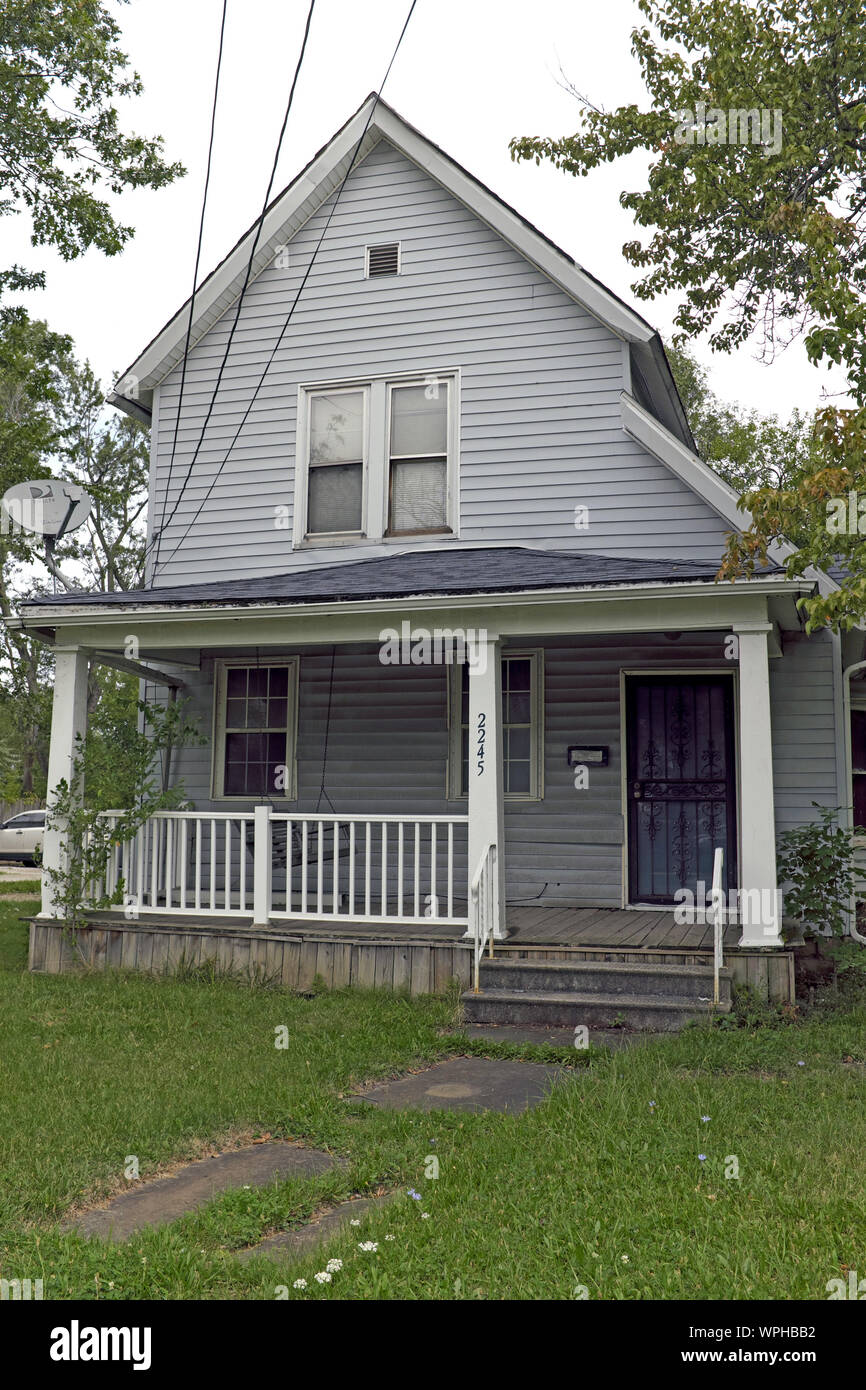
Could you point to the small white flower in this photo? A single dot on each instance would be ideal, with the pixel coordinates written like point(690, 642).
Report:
point(367, 1245)
point(425, 1216)
point(334, 1266)
point(354, 1221)
point(624, 1259)
point(390, 1237)
point(299, 1284)
point(323, 1277)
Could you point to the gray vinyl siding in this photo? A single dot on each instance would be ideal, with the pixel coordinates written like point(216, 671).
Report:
point(387, 748)
point(540, 429)
point(805, 747)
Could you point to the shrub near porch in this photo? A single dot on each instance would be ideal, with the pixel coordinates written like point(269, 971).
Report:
point(600, 1188)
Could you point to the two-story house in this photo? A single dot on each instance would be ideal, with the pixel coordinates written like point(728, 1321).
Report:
point(433, 558)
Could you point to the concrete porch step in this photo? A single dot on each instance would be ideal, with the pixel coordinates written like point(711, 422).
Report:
point(568, 1009)
point(691, 982)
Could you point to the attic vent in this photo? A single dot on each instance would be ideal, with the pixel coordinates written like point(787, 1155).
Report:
point(383, 260)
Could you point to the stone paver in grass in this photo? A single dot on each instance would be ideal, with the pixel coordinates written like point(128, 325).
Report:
point(165, 1199)
point(290, 1245)
point(467, 1083)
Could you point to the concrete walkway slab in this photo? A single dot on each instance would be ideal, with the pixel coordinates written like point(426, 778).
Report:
point(155, 1203)
point(290, 1245)
point(467, 1083)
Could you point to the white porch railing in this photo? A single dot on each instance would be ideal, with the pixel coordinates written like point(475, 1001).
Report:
point(396, 869)
point(182, 861)
point(484, 907)
point(401, 870)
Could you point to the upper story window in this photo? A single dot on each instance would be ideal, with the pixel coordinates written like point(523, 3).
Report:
point(377, 458)
point(337, 458)
point(418, 460)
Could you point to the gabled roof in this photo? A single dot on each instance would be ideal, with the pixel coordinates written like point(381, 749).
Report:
point(455, 570)
point(288, 212)
point(647, 431)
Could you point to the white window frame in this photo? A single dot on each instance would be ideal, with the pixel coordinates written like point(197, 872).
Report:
point(454, 779)
point(446, 530)
point(218, 742)
point(376, 465)
point(302, 469)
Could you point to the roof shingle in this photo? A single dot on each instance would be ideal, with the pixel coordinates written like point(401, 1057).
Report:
point(455, 570)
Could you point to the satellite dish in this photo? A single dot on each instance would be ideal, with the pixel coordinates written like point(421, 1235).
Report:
point(48, 506)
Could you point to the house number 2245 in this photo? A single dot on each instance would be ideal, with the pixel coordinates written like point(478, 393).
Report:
point(479, 743)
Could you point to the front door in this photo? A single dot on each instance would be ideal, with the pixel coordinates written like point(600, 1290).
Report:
point(681, 790)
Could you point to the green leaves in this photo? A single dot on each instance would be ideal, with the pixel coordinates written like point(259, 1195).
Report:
point(740, 231)
point(117, 766)
point(60, 72)
point(817, 864)
point(747, 449)
point(821, 508)
point(53, 422)
point(758, 243)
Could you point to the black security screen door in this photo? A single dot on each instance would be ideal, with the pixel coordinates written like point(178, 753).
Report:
point(681, 794)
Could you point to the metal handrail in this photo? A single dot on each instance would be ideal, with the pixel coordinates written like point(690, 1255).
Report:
point(483, 904)
point(717, 910)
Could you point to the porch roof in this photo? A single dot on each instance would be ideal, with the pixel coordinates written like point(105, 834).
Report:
point(449, 571)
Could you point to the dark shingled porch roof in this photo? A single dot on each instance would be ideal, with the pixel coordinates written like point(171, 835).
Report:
point(452, 570)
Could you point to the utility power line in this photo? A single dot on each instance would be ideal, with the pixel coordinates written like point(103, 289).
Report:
point(157, 531)
point(298, 294)
point(167, 521)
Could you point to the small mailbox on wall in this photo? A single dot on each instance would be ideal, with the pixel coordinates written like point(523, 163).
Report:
point(588, 755)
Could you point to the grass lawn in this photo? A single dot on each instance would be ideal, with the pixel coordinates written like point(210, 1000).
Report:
point(600, 1188)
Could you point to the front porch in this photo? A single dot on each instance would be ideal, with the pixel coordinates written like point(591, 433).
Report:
point(376, 820)
point(424, 958)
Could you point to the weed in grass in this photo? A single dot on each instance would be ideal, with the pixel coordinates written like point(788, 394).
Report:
point(207, 972)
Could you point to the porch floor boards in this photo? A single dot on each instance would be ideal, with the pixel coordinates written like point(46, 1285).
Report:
point(527, 926)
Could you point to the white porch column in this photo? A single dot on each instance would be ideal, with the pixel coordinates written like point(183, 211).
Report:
point(758, 887)
point(262, 867)
point(68, 723)
point(486, 820)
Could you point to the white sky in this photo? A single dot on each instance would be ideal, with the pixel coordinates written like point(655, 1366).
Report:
point(470, 74)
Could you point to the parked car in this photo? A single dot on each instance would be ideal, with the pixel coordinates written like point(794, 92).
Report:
point(21, 837)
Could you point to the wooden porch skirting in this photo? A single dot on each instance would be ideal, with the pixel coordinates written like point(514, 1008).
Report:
point(418, 960)
point(282, 957)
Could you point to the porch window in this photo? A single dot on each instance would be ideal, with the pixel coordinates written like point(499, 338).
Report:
point(377, 458)
point(522, 728)
point(254, 740)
